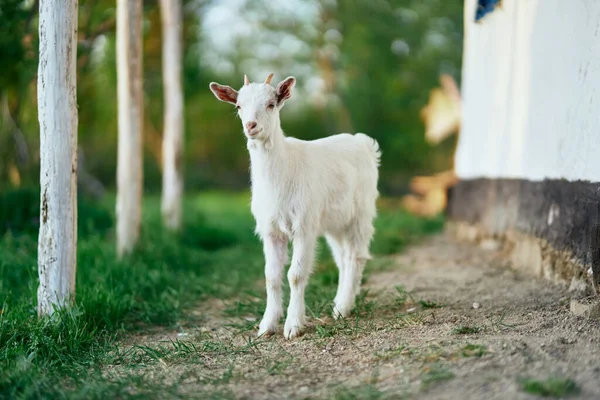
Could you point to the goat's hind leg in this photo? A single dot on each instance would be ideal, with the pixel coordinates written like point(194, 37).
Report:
point(338, 250)
point(276, 256)
point(355, 256)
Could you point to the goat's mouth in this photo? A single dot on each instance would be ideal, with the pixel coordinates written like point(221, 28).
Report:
point(254, 132)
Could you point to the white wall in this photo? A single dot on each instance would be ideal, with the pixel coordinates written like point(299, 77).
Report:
point(531, 91)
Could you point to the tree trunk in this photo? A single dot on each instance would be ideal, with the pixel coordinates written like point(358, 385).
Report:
point(57, 113)
point(130, 105)
point(172, 145)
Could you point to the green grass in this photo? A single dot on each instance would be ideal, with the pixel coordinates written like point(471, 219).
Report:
point(550, 387)
point(474, 350)
point(215, 256)
point(466, 330)
point(429, 304)
point(434, 374)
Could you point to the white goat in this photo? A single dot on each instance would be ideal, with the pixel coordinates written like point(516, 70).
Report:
point(302, 190)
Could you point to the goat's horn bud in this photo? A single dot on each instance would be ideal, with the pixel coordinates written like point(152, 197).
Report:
point(268, 80)
point(246, 80)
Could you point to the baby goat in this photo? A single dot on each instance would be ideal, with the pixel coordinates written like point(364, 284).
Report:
point(302, 190)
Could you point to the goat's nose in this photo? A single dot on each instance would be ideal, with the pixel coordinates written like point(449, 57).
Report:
point(250, 125)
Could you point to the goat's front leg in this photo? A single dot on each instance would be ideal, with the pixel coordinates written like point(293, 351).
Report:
point(275, 249)
point(298, 274)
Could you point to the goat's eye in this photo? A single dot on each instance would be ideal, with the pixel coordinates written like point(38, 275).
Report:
point(271, 106)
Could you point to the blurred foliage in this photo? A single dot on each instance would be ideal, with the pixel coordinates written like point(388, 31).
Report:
point(376, 61)
point(20, 213)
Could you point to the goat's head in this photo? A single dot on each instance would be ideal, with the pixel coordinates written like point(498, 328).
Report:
point(258, 104)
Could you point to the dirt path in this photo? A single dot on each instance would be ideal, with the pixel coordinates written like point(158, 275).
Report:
point(434, 343)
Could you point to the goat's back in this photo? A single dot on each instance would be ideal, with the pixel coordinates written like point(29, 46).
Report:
point(343, 174)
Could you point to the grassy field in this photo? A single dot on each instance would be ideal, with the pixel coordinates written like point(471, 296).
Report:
point(215, 256)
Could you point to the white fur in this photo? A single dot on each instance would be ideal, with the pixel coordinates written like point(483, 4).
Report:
point(302, 190)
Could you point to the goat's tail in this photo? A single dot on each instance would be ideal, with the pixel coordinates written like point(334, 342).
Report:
point(372, 144)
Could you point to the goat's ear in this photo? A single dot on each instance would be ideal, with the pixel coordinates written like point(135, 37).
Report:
point(284, 89)
point(224, 93)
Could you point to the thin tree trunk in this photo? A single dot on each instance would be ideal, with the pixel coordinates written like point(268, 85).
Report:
point(172, 145)
point(57, 113)
point(129, 163)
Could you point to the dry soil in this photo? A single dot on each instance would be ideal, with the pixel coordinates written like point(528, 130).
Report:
point(470, 328)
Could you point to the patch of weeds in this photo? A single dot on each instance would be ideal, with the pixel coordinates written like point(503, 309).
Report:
point(429, 304)
point(175, 352)
point(474, 350)
point(499, 322)
point(466, 330)
point(252, 343)
point(339, 327)
point(402, 300)
point(402, 296)
point(179, 352)
point(550, 387)
point(325, 331)
point(434, 374)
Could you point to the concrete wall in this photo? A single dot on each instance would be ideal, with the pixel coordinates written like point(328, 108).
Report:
point(531, 91)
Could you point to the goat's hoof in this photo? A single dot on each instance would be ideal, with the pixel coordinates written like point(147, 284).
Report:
point(292, 331)
point(341, 312)
point(266, 332)
point(267, 329)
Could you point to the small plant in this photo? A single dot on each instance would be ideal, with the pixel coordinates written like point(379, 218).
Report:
point(499, 323)
point(325, 331)
point(474, 350)
point(434, 374)
point(402, 296)
point(550, 387)
point(466, 330)
point(429, 304)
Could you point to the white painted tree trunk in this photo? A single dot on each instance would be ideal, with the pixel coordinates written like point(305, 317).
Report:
point(57, 113)
point(172, 23)
point(130, 106)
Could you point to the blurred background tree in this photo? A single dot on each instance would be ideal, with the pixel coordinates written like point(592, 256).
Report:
point(362, 66)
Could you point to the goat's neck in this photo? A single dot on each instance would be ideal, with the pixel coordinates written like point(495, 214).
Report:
point(268, 157)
